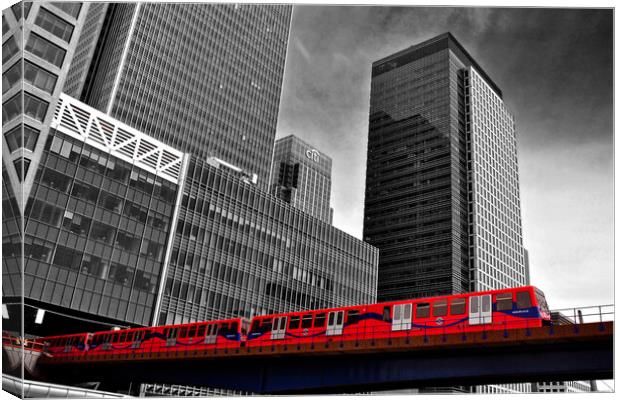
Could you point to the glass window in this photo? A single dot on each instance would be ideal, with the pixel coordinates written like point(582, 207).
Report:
point(34, 107)
point(17, 9)
point(504, 302)
point(457, 307)
point(524, 300)
point(440, 308)
point(12, 108)
point(353, 316)
point(5, 25)
point(54, 24)
point(294, 324)
point(386, 313)
point(45, 49)
point(423, 310)
point(306, 321)
point(13, 138)
point(319, 320)
point(19, 164)
point(201, 330)
point(11, 77)
point(121, 274)
point(9, 49)
point(31, 136)
point(39, 77)
point(73, 9)
point(67, 258)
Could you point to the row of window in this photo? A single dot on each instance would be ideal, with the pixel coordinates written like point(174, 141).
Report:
point(14, 137)
point(45, 49)
point(34, 107)
point(54, 24)
point(110, 202)
point(33, 75)
point(103, 163)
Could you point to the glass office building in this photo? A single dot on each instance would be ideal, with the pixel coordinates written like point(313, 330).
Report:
point(38, 40)
point(97, 223)
point(442, 194)
point(239, 251)
point(203, 78)
point(302, 176)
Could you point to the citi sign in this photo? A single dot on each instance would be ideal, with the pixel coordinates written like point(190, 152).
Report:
point(313, 155)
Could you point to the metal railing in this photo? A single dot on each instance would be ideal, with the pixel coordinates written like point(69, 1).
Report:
point(583, 315)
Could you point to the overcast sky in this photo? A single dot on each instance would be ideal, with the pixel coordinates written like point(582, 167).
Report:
point(555, 69)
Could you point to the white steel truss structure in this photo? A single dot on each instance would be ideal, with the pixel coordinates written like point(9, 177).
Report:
point(99, 130)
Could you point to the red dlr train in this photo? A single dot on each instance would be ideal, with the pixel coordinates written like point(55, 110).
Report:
point(512, 308)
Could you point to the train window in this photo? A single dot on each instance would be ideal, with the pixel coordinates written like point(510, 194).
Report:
point(504, 302)
point(255, 324)
point(353, 316)
point(266, 326)
point(192, 331)
point(386, 313)
point(123, 337)
point(294, 324)
point(306, 321)
point(209, 330)
point(423, 310)
point(183, 332)
point(319, 320)
point(457, 307)
point(339, 319)
point(116, 335)
point(440, 308)
point(234, 327)
point(201, 330)
point(524, 300)
point(331, 319)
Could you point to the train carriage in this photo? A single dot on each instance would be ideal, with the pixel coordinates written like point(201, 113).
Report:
point(65, 345)
point(222, 333)
point(490, 310)
point(513, 308)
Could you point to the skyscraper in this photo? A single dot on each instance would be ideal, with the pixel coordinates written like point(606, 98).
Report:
point(203, 78)
point(442, 191)
point(442, 188)
point(123, 228)
point(301, 176)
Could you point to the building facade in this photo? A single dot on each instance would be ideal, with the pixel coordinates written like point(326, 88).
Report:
point(442, 189)
point(202, 78)
point(123, 229)
point(240, 251)
point(97, 223)
point(38, 40)
point(301, 176)
point(442, 194)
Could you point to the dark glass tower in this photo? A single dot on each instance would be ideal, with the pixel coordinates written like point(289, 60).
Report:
point(203, 78)
point(443, 219)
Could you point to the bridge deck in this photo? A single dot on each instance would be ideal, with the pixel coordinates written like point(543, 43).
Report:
point(531, 336)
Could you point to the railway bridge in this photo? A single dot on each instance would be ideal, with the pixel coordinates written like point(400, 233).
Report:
point(557, 352)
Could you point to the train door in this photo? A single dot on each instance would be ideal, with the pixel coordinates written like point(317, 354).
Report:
point(279, 328)
point(402, 317)
point(335, 323)
point(211, 336)
point(480, 310)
